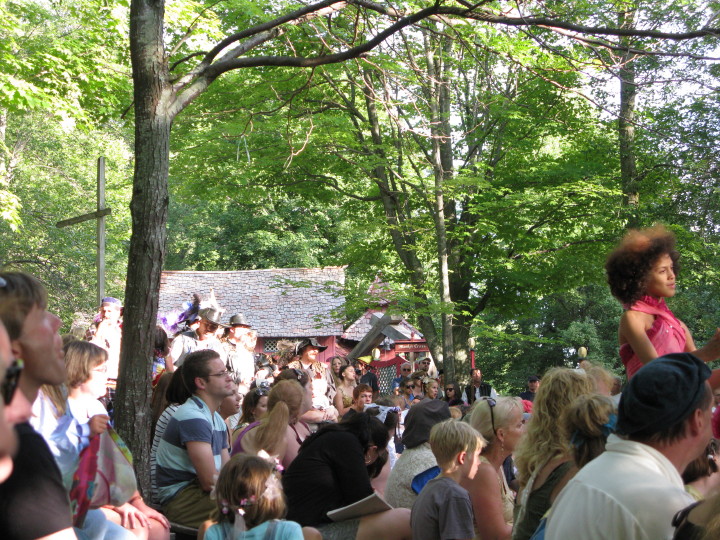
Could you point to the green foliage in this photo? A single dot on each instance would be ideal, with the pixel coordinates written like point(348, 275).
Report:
point(63, 57)
point(56, 180)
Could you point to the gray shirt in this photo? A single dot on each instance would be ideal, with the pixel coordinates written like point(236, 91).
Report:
point(442, 511)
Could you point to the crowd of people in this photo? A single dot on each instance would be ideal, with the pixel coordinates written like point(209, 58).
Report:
point(297, 446)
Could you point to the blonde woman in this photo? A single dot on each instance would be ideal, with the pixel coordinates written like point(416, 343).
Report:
point(501, 422)
point(280, 432)
point(544, 459)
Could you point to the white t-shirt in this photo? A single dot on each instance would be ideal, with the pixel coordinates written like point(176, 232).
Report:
point(631, 491)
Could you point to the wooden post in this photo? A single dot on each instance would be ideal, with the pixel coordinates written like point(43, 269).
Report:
point(100, 261)
point(99, 216)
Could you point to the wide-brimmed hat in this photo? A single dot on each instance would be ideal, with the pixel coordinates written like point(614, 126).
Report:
point(306, 342)
point(238, 320)
point(211, 315)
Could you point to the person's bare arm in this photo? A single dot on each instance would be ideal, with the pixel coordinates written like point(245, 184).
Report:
point(487, 504)
point(338, 402)
point(201, 456)
point(633, 330)
point(708, 353)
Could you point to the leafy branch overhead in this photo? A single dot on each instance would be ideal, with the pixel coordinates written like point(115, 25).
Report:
point(243, 49)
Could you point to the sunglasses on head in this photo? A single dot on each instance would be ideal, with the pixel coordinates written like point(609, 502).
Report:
point(491, 405)
point(12, 376)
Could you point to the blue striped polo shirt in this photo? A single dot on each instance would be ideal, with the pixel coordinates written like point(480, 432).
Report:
point(193, 421)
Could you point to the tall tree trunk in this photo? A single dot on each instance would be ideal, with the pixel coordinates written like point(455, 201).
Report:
point(443, 170)
point(395, 216)
point(626, 121)
point(149, 208)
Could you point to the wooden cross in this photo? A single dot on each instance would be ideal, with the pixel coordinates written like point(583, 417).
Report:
point(99, 215)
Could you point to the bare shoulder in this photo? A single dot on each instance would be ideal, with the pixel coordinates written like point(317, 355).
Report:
point(486, 478)
point(632, 319)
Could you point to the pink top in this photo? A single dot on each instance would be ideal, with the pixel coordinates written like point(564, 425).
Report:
point(666, 333)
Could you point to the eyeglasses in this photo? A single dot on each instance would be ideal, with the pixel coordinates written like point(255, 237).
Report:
point(225, 374)
point(12, 376)
point(491, 405)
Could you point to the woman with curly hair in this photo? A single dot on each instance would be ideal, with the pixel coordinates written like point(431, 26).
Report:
point(543, 459)
point(641, 273)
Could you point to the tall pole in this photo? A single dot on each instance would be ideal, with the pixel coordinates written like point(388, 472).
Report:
point(100, 262)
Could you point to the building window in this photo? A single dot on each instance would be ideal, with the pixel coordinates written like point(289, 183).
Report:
point(270, 345)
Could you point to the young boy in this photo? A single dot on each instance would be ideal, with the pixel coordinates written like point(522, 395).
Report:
point(443, 510)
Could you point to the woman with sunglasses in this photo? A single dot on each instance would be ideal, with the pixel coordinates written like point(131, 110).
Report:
point(407, 393)
point(452, 394)
point(501, 422)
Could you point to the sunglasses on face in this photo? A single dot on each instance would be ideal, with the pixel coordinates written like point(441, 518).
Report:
point(12, 376)
point(449, 389)
point(411, 386)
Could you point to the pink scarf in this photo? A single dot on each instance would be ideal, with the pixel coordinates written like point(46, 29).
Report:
point(666, 334)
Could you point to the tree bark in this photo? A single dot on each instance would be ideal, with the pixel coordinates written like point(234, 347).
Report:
point(149, 208)
point(626, 123)
point(441, 134)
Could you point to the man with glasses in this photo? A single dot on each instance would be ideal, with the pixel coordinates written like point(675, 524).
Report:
point(204, 337)
point(405, 370)
point(33, 500)
point(194, 446)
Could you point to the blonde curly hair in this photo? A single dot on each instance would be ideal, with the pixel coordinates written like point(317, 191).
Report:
point(542, 440)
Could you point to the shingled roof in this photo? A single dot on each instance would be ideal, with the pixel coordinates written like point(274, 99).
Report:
point(278, 302)
point(400, 330)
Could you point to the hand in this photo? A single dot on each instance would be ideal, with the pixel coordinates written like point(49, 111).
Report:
point(150, 513)
point(98, 424)
point(131, 517)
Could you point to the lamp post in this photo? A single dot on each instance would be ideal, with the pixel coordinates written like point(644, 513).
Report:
point(582, 354)
point(471, 344)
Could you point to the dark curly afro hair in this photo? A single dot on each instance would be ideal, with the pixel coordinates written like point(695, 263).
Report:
point(629, 265)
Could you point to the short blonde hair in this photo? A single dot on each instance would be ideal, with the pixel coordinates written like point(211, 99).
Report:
point(450, 437)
